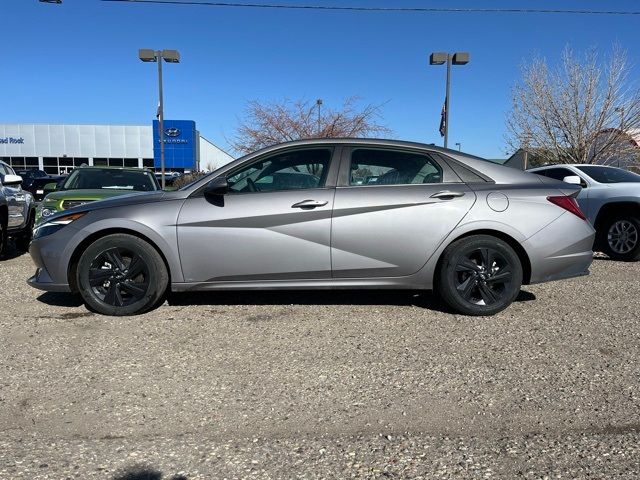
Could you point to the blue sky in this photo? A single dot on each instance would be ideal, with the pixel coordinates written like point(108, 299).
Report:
point(77, 62)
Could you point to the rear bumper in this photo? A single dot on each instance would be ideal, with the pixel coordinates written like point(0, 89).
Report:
point(563, 249)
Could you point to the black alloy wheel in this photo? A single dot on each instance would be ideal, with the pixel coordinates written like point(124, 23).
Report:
point(121, 275)
point(480, 275)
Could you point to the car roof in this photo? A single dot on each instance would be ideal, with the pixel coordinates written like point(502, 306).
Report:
point(498, 173)
point(559, 165)
point(110, 167)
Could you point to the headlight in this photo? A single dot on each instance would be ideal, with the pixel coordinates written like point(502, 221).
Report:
point(47, 212)
point(52, 226)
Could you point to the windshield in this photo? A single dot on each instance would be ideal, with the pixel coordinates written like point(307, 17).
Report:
point(610, 174)
point(110, 179)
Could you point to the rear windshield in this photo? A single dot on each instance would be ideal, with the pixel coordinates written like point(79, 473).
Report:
point(110, 179)
point(610, 174)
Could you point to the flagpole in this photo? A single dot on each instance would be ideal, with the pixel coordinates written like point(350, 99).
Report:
point(446, 103)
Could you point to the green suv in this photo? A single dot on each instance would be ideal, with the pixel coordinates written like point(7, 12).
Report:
point(88, 184)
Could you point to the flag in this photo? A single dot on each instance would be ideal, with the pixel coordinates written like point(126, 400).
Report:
point(443, 119)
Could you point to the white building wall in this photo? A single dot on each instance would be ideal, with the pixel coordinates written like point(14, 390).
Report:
point(93, 141)
point(212, 157)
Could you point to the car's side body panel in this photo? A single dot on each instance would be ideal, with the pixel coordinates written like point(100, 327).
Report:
point(256, 236)
point(391, 231)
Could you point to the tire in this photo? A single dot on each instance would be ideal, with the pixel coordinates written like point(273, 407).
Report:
point(479, 275)
point(3, 236)
point(619, 238)
point(23, 240)
point(109, 285)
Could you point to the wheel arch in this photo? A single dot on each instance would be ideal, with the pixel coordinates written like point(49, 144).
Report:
point(82, 246)
point(4, 214)
point(612, 210)
point(508, 239)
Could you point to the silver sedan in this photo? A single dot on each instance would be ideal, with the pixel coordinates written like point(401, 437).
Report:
point(319, 214)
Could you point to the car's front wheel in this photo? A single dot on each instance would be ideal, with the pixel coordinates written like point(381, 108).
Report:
point(121, 275)
point(3, 235)
point(479, 275)
point(23, 240)
point(620, 238)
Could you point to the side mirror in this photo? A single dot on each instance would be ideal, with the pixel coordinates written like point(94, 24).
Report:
point(217, 186)
point(50, 187)
point(573, 180)
point(11, 180)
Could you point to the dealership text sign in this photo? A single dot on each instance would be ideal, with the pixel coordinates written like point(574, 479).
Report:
point(12, 140)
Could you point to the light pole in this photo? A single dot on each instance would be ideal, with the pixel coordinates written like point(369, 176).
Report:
point(169, 56)
point(459, 145)
point(440, 58)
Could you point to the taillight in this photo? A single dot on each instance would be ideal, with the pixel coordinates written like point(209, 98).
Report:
point(569, 204)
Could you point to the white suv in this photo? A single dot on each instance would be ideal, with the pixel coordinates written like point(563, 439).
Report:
point(17, 210)
point(610, 198)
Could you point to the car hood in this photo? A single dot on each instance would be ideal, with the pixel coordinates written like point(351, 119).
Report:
point(122, 201)
point(90, 194)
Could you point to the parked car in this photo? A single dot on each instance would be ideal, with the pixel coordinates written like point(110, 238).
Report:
point(436, 219)
point(610, 198)
point(169, 177)
point(88, 184)
point(34, 181)
point(17, 210)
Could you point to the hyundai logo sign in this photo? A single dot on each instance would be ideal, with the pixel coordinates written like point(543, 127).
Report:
point(172, 132)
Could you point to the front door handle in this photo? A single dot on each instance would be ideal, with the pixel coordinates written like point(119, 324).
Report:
point(309, 204)
point(447, 195)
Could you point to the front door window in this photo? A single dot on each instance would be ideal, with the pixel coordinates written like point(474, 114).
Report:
point(296, 170)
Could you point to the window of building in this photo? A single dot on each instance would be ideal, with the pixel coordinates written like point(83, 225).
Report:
point(77, 161)
point(130, 162)
point(148, 163)
point(17, 162)
point(115, 162)
point(66, 161)
point(100, 162)
point(50, 162)
point(51, 170)
point(31, 162)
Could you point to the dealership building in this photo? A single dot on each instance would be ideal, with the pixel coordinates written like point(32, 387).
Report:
point(57, 149)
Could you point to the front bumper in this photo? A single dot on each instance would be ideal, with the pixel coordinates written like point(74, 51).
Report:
point(42, 281)
point(50, 254)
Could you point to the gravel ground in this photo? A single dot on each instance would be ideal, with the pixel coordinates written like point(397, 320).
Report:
point(323, 385)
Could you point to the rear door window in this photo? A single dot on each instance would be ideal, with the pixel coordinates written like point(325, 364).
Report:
point(392, 167)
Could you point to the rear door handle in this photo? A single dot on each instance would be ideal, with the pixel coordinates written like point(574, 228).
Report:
point(309, 204)
point(447, 195)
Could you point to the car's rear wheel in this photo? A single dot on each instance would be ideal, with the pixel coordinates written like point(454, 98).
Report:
point(620, 238)
point(479, 275)
point(121, 275)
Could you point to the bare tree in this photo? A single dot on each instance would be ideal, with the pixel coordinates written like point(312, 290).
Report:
point(267, 124)
point(578, 112)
